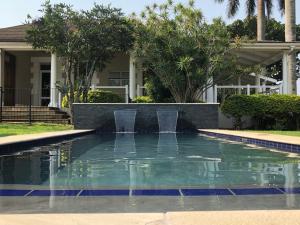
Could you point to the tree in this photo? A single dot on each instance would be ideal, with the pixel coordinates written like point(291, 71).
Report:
point(290, 36)
point(103, 31)
point(263, 7)
point(247, 29)
point(177, 45)
point(85, 40)
point(55, 33)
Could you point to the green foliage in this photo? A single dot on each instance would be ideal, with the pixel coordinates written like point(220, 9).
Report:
point(247, 28)
point(269, 111)
point(156, 90)
point(84, 40)
point(143, 99)
point(180, 48)
point(96, 96)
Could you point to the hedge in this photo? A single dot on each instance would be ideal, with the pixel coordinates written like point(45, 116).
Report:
point(267, 111)
point(143, 99)
point(98, 96)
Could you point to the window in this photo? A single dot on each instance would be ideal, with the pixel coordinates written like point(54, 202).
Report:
point(118, 78)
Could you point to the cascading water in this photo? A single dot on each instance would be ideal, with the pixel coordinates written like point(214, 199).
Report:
point(167, 120)
point(125, 121)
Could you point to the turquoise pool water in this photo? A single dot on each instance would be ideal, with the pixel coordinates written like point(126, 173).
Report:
point(150, 161)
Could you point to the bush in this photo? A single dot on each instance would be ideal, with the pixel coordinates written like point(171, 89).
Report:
point(97, 96)
point(143, 99)
point(268, 111)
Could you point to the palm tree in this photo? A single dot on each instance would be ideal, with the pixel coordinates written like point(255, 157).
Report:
point(263, 7)
point(290, 36)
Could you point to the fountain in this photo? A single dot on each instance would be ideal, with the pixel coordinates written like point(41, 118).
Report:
point(167, 120)
point(125, 120)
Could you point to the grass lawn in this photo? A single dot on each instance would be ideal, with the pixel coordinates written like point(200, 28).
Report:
point(287, 133)
point(7, 129)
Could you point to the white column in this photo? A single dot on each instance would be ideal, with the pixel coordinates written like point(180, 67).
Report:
point(1, 68)
point(285, 80)
point(257, 83)
point(53, 91)
point(298, 87)
point(140, 79)
point(210, 92)
point(239, 84)
point(132, 77)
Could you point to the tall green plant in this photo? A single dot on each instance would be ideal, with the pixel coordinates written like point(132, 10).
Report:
point(186, 53)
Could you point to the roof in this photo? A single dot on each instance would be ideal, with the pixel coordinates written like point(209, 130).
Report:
point(264, 53)
point(14, 34)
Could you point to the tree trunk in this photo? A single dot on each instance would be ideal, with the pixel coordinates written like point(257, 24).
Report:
point(290, 36)
point(261, 20)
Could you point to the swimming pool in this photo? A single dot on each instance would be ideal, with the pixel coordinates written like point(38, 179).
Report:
point(127, 162)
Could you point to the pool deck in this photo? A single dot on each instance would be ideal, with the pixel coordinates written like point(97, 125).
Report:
point(256, 135)
point(19, 139)
point(169, 218)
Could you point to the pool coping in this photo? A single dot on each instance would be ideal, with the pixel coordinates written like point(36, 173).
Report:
point(265, 217)
point(15, 143)
point(279, 142)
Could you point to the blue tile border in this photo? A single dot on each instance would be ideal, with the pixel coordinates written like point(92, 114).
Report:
point(13, 193)
point(257, 191)
point(151, 192)
point(262, 143)
point(290, 190)
point(205, 192)
point(104, 193)
point(44, 193)
point(159, 192)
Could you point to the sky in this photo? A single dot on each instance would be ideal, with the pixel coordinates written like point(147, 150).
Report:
point(14, 12)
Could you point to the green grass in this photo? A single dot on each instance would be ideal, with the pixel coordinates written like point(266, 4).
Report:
point(7, 129)
point(287, 133)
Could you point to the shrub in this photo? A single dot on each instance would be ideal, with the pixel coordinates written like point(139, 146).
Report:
point(268, 111)
point(143, 99)
point(97, 96)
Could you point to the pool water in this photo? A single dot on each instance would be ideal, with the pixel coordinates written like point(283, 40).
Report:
point(150, 161)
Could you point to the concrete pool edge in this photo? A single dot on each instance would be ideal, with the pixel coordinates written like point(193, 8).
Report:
point(19, 142)
point(280, 142)
point(261, 217)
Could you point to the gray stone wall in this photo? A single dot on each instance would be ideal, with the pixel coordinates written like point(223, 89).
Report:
point(101, 116)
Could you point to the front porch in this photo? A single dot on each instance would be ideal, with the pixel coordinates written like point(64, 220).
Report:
point(30, 77)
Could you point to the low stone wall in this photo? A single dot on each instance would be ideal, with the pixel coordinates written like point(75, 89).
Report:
point(101, 116)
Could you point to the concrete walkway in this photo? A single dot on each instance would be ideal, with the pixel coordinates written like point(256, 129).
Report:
point(170, 218)
point(259, 136)
point(35, 137)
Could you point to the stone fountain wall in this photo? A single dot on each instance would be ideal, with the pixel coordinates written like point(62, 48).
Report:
point(190, 116)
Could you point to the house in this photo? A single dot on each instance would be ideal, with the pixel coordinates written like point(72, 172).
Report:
point(25, 71)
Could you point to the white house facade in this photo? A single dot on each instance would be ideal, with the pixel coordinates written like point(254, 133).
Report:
point(22, 67)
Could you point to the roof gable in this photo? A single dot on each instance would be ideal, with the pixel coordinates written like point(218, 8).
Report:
point(14, 34)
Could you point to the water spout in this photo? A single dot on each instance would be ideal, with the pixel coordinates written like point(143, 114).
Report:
point(167, 120)
point(125, 121)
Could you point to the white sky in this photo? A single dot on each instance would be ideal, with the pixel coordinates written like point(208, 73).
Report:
point(14, 12)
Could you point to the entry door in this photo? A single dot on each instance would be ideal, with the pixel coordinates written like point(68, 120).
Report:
point(45, 84)
point(9, 80)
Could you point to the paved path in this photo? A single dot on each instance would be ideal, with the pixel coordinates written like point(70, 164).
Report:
point(34, 137)
point(257, 135)
point(170, 218)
